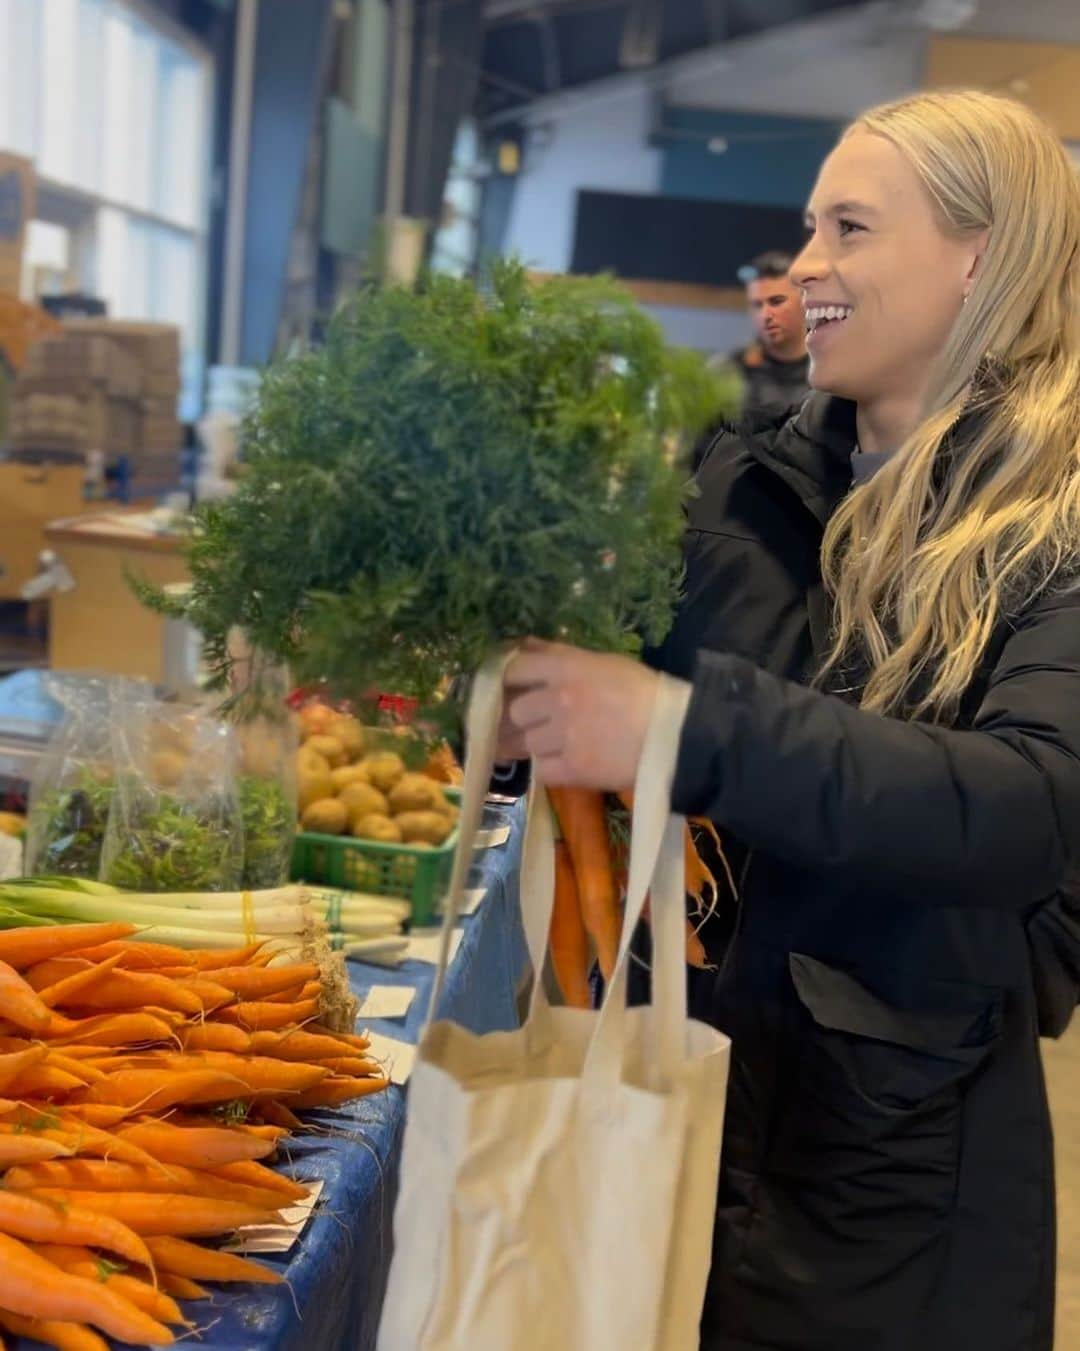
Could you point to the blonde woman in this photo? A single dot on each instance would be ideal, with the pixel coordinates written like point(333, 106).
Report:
point(880, 645)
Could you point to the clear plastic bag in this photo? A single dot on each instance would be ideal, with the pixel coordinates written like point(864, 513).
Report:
point(267, 790)
point(72, 790)
point(176, 822)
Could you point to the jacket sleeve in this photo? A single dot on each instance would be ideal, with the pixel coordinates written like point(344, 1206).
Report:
point(987, 816)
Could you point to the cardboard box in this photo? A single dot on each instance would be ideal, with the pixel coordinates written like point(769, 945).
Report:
point(18, 199)
point(30, 497)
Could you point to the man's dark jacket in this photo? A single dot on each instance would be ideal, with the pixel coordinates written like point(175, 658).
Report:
point(909, 910)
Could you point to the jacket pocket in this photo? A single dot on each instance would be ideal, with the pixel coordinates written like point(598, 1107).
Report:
point(869, 1130)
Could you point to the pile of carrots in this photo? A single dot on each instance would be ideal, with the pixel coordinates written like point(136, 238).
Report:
point(142, 1089)
point(590, 886)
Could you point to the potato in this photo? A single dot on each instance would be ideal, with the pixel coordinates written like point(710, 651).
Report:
point(416, 793)
point(327, 816)
point(168, 767)
point(350, 732)
point(329, 747)
point(424, 827)
point(376, 827)
point(315, 718)
point(313, 787)
point(309, 761)
point(384, 769)
point(348, 774)
point(361, 799)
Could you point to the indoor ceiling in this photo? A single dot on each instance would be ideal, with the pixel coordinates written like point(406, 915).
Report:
point(534, 48)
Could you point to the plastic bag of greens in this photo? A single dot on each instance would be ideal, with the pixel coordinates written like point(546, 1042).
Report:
point(72, 788)
point(267, 742)
point(176, 822)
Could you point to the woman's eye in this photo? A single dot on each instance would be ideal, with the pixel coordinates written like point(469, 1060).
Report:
point(847, 227)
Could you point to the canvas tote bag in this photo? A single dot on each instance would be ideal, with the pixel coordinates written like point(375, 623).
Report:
point(558, 1183)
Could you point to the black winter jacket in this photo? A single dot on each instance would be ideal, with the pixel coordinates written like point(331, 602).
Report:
point(887, 1176)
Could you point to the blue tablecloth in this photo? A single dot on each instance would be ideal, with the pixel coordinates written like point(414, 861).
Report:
point(337, 1271)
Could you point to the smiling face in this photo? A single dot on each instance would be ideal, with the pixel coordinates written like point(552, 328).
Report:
point(882, 279)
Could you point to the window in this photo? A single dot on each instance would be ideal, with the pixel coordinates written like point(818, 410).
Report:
point(113, 106)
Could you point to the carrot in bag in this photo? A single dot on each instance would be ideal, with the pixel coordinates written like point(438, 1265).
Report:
point(569, 941)
point(582, 819)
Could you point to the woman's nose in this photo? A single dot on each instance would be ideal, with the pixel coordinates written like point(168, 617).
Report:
point(809, 266)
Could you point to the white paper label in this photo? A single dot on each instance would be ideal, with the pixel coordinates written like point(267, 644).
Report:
point(278, 1237)
point(424, 945)
point(396, 1057)
point(387, 1001)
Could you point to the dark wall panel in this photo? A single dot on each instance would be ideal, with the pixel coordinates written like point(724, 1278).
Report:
point(677, 238)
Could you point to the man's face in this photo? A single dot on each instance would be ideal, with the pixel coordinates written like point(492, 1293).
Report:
point(776, 309)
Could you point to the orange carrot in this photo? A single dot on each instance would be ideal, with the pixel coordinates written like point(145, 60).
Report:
point(82, 1262)
point(154, 1213)
point(120, 990)
point(16, 1149)
point(45, 1081)
point(349, 1038)
point(293, 995)
point(209, 959)
point(583, 825)
point(181, 1287)
point(120, 1029)
point(354, 1066)
point(255, 1075)
point(136, 956)
point(695, 948)
point(256, 982)
point(176, 1257)
point(205, 1146)
point(29, 1217)
point(334, 1092)
point(67, 991)
point(274, 1133)
point(569, 941)
point(258, 1175)
point(153, 1090)
point(19, 1004)
point(35, 1288)
point(297, 1044)
point(15, 1063)
point(107, 1175)
point(21, 948)
point(216, 1037)
point(81, 1069)
point(51, 1332)
point(278, 1114)
point(99, 1114)
point(261, 1016)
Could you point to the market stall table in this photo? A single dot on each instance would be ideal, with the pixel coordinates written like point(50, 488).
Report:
point(337, 1270)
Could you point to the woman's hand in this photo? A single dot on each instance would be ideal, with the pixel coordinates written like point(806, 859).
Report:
point(580, 716)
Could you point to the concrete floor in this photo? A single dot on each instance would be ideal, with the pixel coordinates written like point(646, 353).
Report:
point(1062, 1059)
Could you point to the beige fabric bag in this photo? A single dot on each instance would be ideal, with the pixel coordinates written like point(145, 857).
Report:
point(559, 1182)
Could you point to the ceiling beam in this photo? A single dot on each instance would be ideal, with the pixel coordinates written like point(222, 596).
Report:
point(519, 11)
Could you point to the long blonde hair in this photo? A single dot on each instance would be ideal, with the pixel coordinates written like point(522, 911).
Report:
point(956, 533)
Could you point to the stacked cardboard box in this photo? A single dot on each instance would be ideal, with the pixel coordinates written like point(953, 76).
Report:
point(109, 386)
point(156, 350)
point(77, 393)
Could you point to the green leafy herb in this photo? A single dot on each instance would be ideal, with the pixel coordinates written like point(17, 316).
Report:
point(453, 469)
point(269, 828)
point(72, 823)
point(169, 845)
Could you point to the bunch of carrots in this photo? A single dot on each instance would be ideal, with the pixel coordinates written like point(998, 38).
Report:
point(142, 1089)
point(590, 887)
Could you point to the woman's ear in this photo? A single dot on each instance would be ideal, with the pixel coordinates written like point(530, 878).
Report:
point(977, 248)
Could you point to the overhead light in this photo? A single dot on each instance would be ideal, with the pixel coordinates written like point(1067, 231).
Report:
point(640, 44)
point(717, 145)
point(944, 16)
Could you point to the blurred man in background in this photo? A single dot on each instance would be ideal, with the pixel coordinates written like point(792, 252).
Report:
point(774, 367)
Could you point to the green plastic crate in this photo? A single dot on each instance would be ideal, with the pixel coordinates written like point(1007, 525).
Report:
point(420, 876)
